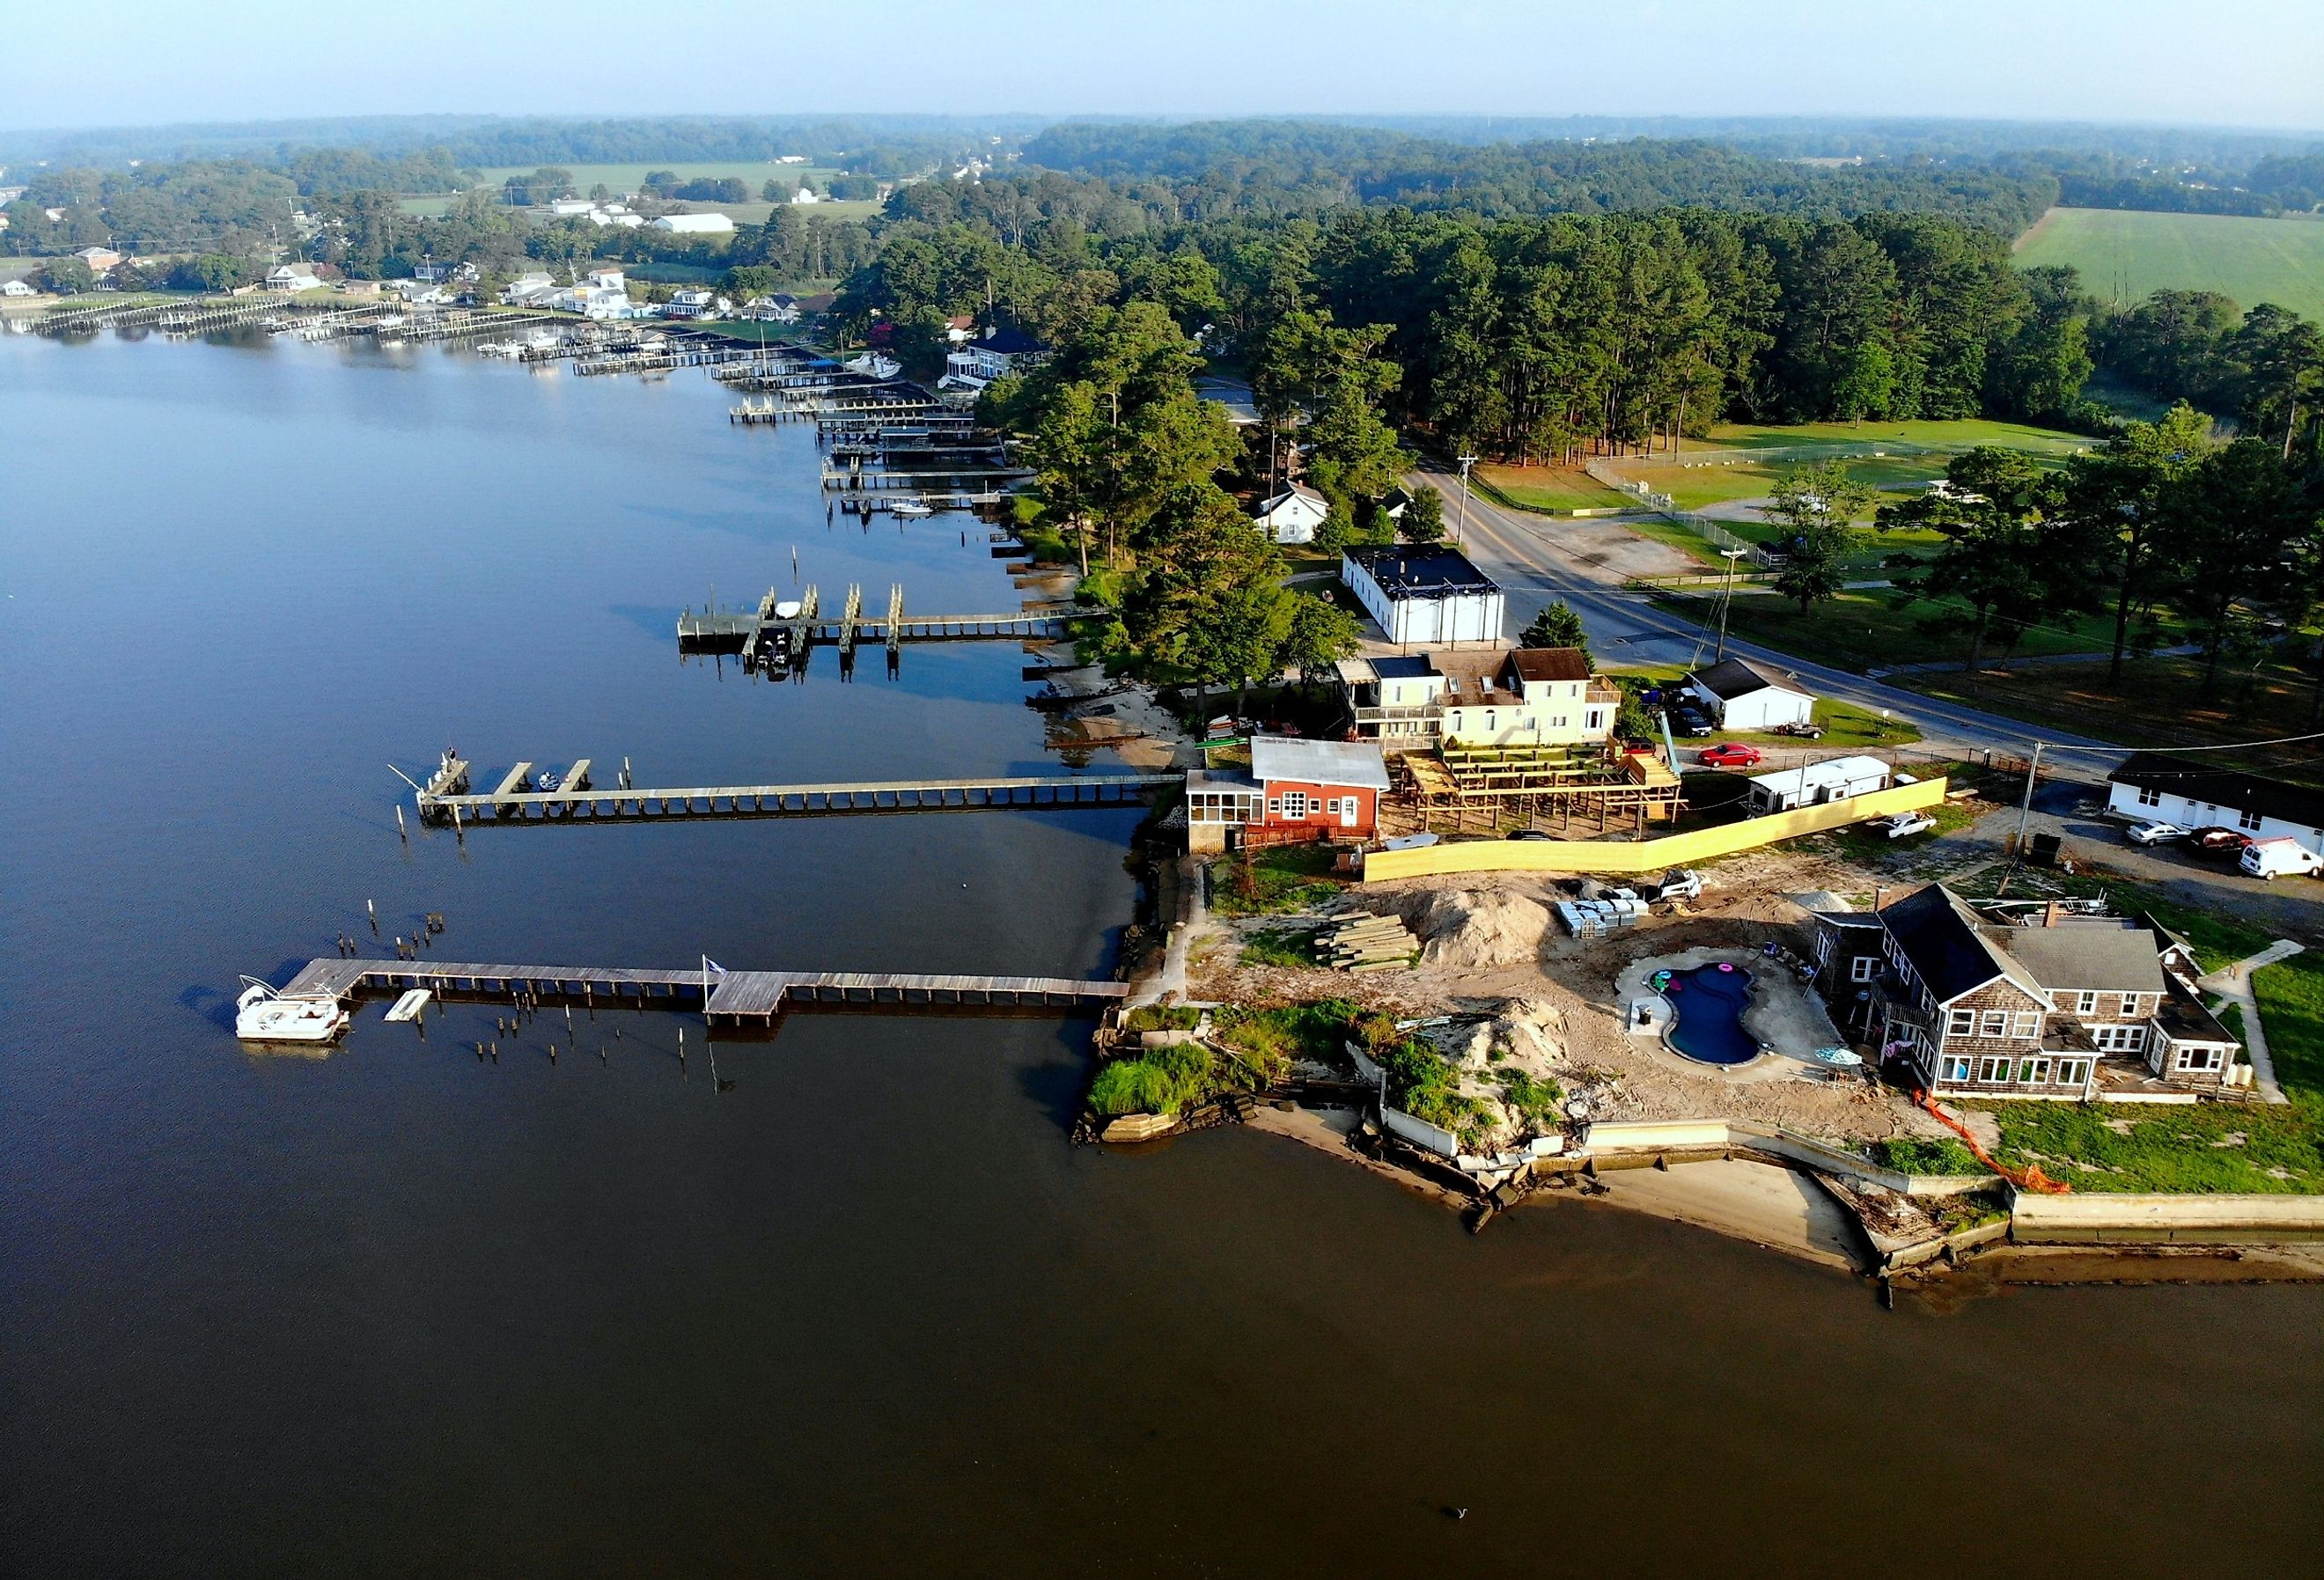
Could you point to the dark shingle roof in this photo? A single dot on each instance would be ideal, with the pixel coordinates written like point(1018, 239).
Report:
point(2223, 787)
point(1549, 663)
point(1741, 677)
point(1942, 938)
point(2089, 954)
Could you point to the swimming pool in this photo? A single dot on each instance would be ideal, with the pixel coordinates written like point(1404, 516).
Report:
point(1707, 1005)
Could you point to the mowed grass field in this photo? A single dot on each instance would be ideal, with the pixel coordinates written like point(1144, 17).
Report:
point(2126, 255)
point(1741, 461)
point(1549, 488)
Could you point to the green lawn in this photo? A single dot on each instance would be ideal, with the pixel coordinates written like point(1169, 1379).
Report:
point(2197, 1148)
point(1286, 878)
point(1548, 488)
point(1860, 631)
point(2290, 996)
point(2124, 255)
point(1741, 461)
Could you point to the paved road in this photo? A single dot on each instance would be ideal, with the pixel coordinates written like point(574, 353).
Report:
point(1521, 552)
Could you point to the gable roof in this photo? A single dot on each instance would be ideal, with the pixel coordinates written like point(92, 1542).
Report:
point(2085, 954)
point(1942, 939)
point(1740, 677)
point(1299, 491)
point(2222, 786)
point(1007, 339)
point(1549, 663)
point(1354, 764)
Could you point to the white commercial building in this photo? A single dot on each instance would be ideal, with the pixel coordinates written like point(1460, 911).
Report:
point(1425, 593)
point(2154, 786)
point(696, 224)
point(1835, 778)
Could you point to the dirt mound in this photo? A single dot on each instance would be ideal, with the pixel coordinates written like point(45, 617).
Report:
point(1476, 927)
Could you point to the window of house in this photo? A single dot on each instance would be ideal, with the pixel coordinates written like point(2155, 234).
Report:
point(1961, 1022)
point(2033, 1072)
point(1294, 803)
point(1997, 1023)
point(2027, 1024)
point(2149, 797)
point(1864, 968)
point(2119, 1038)
point(1993, 1072)
point(1955, 1069)
point(2073, 1072)
point(1274, 805)
point(2130, 1005)
point(2248, 821)
point(2086, 1003)
point(2200, 1058)
point(1824, 946)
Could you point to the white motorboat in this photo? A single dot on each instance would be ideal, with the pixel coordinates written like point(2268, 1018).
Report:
point(913, 507)
point(789, 609)
point(264, 1015)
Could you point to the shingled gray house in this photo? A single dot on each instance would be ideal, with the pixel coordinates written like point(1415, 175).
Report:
point(2054, 1005)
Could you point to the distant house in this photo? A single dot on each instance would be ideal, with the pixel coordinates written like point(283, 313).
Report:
point(571, 208)
point(1835, 778)
point(1293, 516)
point(604, 279)
point(293, 277)
point(2062, 1007)
point(526, 290)
point(807, 195)
point(1295, 789)
point(16, 287)
point(689, 304)
point(421, 292)
point(1425, 593)
point(1740, 694)
point(2194, 794)
point(997, 350)
point(98, 259)
point(696, 224)
point(960, 328)
point(772, 310)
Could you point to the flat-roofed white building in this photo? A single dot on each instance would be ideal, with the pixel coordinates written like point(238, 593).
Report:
point(1425, 593)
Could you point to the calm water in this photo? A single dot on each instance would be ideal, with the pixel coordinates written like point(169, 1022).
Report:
point(398, 1312)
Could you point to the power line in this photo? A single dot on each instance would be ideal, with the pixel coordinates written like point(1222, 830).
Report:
point(2181, 750)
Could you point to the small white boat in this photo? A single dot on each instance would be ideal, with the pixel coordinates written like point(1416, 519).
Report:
point(264, 1015)
point(913, 507)
point(789, 609)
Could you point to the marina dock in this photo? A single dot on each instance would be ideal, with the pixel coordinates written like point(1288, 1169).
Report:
point(736, 998)
point(446, 797)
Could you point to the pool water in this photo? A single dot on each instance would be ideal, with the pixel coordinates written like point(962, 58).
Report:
point(1707, 1005)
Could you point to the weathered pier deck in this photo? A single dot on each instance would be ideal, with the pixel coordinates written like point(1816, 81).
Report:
point(739, 998)
point(447, 799)
point(706, 633)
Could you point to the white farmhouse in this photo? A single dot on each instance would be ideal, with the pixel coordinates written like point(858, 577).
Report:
point(1740, 694)
point(2155, 785)
point(1293, 516)
point(1425, 593)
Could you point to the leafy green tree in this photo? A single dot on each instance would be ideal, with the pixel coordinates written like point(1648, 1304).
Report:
point(2282, 357)
point(64, 277)
point(747, 280)
point(1557, 625)
point(1321, 634)
point(1423, 521)
point(2230, 527)
point(1210, 600)
point(1818, 503)
point(2120, 493)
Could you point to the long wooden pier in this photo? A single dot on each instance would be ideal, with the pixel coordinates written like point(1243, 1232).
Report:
point(738, 998)
point(446, 797)
point(731, 633)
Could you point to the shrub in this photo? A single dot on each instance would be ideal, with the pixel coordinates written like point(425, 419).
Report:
point(1911, 1156)
point(1162, 1018)
point(1536, 1100)
point(1161, 1080)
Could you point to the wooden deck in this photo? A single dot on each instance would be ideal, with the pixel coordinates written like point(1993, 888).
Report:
point(734, 997)
point(709, 632)
point(444, 799)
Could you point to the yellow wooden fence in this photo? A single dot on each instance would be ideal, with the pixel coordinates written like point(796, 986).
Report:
point(1648, 855)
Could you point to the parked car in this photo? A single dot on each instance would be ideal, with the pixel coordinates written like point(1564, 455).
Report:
point(1900, 824)
point(2219, 841)
point(2155, 834)
point(1804, 732)
point(1533, 833)
point(1729, 754)
point(2272, 858)
point(1686, 721)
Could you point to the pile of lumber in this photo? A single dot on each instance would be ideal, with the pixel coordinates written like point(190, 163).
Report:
point(1364, 942)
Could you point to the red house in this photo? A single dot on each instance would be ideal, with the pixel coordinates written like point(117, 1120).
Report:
point(1295, 789)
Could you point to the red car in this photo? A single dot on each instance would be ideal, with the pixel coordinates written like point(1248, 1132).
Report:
point(2219, 841)
point(1729, 754)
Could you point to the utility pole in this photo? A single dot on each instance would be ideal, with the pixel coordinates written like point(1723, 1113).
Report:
point(2026, 807)
point(1726, 598)
point(1466, 462)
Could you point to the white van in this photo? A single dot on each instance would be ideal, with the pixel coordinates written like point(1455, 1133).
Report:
point(2271, 858)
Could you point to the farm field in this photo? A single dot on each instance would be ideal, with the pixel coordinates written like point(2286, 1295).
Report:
point(2124, 255)
point(620, 178)
point(1741, 461)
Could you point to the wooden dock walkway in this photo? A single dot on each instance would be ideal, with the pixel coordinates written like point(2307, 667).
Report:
point(447, 799)
point(738, 998)
point(729, 633)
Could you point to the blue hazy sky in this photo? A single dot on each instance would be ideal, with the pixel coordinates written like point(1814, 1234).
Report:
point(2240, 63)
